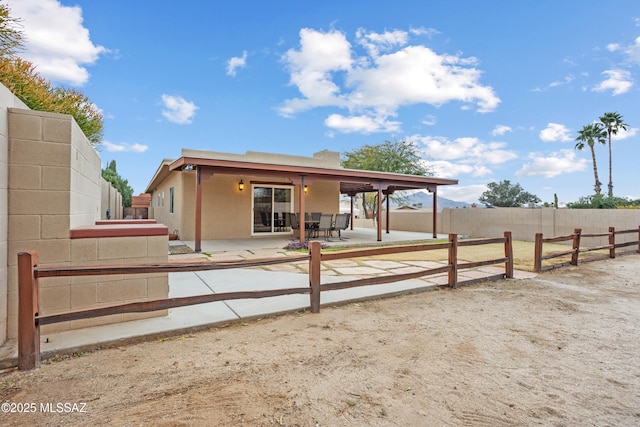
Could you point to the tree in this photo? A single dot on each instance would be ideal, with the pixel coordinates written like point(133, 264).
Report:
point(504, 194)
point(122, 185)
point(21, 78)
point(396, 157)
point(11, 39)
point(591, 134)
point(612, 122)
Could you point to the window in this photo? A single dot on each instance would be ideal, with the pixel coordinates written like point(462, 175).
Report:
point(171, 192)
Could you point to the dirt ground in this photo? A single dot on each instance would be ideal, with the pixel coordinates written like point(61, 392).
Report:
point(560, 349)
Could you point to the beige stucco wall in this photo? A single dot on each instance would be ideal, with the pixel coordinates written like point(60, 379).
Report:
point(54, 185)
point(226, 211)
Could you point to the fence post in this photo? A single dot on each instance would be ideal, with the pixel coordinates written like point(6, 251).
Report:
point(453, 260)
point(28, 309)
point(638, 239)
point(508, 253)
point(537, 254)
point(612, 242)
point(576, 246)
point(314, 276)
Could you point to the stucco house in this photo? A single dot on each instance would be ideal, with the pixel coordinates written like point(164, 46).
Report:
point(206, 195)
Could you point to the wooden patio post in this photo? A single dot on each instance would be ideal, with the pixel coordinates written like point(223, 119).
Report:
point(379, 213)
point(576, 246)
point(198, 219)
point(612, 242)
point(28, 309)
point(638, 239)
point(508, 253)
point(435, 211)
point(453, 260)
point(537, 254)
point(314, 275)
point(351, 219)
point(302, 225)
point(388, 206)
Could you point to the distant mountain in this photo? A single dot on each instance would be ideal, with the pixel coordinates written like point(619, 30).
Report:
point(425, 200)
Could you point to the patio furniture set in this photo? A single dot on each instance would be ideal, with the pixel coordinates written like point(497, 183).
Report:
point(317, 222)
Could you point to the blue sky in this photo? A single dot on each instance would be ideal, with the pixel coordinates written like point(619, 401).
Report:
point(488, 90)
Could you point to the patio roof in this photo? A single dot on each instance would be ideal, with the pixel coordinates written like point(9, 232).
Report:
point(299, 171)
point(352, 181)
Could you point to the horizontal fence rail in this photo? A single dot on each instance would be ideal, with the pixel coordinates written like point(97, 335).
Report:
point(576, 250)
point(29, 273)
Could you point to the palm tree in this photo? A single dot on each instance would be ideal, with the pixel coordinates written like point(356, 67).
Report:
point(612, 122)
point(591, 134)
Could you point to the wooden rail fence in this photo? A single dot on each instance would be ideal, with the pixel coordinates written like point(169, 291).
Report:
point(575, 238)
point(29, 273)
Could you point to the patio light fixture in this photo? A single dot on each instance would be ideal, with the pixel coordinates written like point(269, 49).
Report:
point(241, 185)
point(306, 188)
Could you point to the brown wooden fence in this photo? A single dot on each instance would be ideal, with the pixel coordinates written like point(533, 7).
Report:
point(575, 238)
point(29, 273)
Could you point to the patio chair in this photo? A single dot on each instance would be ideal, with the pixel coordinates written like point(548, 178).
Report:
point(326, 225)
point(293, 221)
point(278, 221)
point(342, 222)
point(315, 218)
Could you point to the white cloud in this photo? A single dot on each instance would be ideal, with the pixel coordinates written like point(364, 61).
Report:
point(236, 62)
point(624, 134)
point(466, 150)
point(375, 42)
point(422, 31)
point(362, 124)
point(462, 193)
point(445, 169)
point(178, 110)
point(561, 162)
point(501, 130)
point(429, 120)
point(633, 51)
point(555, 132)
point(119, 148)
point(56, 40)
point(618, 81)
point(327, 72)
point(612, 47)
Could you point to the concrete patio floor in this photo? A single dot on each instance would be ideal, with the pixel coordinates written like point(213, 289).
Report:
point(288, 275)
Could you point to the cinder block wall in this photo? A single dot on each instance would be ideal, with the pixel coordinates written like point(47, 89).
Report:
point(7, 100)
point(91, 291)
point(55, 186)
point(110, 198)
point(523, 223)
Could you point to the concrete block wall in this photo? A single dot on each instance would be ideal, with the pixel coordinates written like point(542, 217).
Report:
point(85, 292)
point(523, 223)
point(54, 186)
point(7, 100)
point(110, 198)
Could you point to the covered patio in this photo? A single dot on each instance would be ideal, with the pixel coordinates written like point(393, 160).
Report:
point(351, 182)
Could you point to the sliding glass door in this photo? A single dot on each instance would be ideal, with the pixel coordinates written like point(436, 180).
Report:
point(271, 205)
